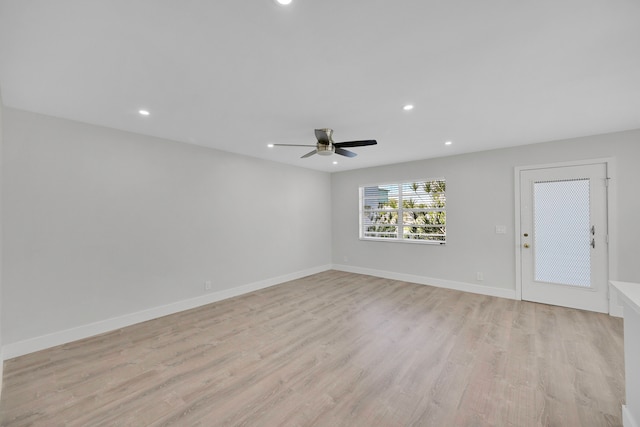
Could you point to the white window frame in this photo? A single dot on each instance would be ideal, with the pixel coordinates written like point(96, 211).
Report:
point(401, 210)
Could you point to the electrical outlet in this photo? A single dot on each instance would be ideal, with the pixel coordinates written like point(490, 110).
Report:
point(479, 276)
point(207, 285)
point(501, 229)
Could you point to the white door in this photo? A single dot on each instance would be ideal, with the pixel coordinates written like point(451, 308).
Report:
point(563, 241)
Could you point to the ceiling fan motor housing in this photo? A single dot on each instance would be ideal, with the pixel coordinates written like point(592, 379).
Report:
point(328, 132)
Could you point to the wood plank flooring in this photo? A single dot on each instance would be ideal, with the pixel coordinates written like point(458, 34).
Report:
point(333, 349)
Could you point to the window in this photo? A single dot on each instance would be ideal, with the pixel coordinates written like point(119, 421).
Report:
point(406, 212)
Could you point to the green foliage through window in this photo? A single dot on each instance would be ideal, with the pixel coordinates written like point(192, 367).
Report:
point(413, 211)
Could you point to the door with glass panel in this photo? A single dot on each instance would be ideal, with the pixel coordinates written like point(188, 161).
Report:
point(563, 240)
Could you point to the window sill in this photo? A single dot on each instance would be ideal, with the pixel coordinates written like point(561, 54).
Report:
point(409, 241)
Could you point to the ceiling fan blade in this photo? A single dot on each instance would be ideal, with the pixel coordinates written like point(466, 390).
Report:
point(293, 145)
point(323, 136)
point(309, 154)
point(356, 143)
point(344, 152)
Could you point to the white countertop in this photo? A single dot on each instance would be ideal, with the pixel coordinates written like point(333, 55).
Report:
point(629, 293)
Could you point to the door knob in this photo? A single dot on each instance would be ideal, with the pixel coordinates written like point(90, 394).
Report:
point(526, 245)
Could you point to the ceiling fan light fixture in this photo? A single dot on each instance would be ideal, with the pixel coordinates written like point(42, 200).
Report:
point(325, 149)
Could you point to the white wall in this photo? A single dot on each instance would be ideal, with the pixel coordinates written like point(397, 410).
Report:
point(480, 195)
point(100, 223)
point(1, 168)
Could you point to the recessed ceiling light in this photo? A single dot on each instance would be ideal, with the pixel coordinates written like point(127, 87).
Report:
point(283, 2)
point(335, 163)
point(270, 145)
point(448, 143)
point(143, 112)
point(408, 107)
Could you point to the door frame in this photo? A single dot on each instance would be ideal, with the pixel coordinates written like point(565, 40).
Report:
point(615, 308)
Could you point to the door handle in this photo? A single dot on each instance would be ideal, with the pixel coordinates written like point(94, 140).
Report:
point(526, 245)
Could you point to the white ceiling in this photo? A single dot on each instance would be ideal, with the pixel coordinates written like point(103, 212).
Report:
point(239, 74)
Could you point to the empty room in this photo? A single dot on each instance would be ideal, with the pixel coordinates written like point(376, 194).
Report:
point(319, 213)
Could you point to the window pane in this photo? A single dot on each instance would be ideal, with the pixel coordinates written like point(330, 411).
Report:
point(424, 217)
point(425, 233)
point(426, 194)
point(380, 232)
point(381, 197)
point(380, 224)
point(381, 217)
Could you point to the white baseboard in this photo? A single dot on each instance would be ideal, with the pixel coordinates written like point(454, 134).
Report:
point(422, 280)
point(31, 345)
point(616, 310)
point(627, 418)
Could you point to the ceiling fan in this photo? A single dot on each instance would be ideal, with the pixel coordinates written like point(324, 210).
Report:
point(325, 145)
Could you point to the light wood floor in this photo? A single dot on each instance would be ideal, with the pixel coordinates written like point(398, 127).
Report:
point(333, 349)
